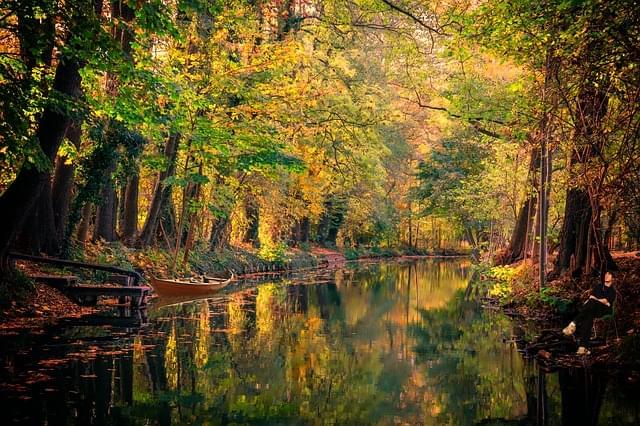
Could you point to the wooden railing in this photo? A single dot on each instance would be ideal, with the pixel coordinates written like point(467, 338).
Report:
point(136, 276)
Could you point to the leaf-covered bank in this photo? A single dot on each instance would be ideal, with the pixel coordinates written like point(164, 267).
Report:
point(515, 290)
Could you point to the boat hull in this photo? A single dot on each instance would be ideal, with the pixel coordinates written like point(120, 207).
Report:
point(171, 288)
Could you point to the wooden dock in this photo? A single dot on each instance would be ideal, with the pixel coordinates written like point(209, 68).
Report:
point(89, 294)
point(122, 283)
point(57, 281)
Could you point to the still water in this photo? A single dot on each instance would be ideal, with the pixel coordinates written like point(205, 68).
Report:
point(389, 343)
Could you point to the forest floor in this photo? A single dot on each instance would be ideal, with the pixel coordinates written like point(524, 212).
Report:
point(44, 305)
point(618, 339)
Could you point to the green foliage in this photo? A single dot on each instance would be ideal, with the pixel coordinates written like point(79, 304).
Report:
point(273, 252)
point(549, 296)
point(97, 167)
point(502, 277)
point(269, 158)
point(74, 31)
point(377, 252)
point(21, 100)
point(495, 281)
point(357, 125)
point(463, 180)
point(514, 284)
point(446, 169)
point(351, 254)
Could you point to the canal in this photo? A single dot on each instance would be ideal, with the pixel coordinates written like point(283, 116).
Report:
point(379, 343)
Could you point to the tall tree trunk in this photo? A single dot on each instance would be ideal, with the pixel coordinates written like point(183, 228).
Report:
point(607, 259)
point(520, 236)
point(575, 229)
point(20, 197)
point(194, 195)
point(543, 208)
point(549, 99)
point(576, 235)
point(252, 213)
point(107, 213)
point(121, 191)
point(220, 233)
point(130, 220)
point(85, 222)
point(44, 230)
point(608, 233)
point(167, 227)
point(36, 37)
point(62, 186)
point(517, 249)
point(38, 233)
point(125, 36)
point(542, 213)
point(46, 224)
point(161, 193)
point(410, 228)
point(305, 230)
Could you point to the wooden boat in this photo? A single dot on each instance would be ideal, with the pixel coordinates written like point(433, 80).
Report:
point(189, 286)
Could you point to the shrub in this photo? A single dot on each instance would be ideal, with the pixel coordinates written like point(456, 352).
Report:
point(351, 254)
point(548, 296)
point(502, 278)
point(274, 252)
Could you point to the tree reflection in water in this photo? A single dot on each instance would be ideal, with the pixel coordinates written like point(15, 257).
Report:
point(386, 343)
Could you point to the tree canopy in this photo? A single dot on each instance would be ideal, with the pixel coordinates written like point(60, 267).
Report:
point(270, 124)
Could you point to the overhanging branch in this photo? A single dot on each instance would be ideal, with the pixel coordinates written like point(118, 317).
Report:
point(416, 19)
point(475, 122)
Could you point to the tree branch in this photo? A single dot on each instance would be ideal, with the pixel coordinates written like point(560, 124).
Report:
point(413, 17)
point(473, 121)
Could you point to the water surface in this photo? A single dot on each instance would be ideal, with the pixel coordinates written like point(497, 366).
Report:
point(390, 343)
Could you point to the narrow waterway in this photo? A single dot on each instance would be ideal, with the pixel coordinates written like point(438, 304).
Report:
point(388, 343)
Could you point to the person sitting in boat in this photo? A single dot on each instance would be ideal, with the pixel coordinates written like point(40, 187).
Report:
point(599, 304)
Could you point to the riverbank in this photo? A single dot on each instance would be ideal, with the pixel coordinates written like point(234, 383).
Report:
point(514, 290)
point(31, 305)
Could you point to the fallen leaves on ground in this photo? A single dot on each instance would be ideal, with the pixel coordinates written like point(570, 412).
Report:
point(44, 305)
